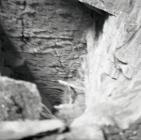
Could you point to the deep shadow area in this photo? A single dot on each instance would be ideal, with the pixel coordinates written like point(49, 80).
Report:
point(99, 16)
point(99, 21)
point(12, 61)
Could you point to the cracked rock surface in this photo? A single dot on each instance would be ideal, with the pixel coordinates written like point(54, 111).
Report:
point(49, 36)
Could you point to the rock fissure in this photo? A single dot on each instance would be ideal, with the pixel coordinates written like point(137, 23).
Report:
point(22, 23)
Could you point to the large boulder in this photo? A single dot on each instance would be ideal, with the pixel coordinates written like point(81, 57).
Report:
point(19, 100)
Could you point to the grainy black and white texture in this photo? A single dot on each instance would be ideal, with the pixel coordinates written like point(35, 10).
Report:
point(49, 37)
point(43, 41)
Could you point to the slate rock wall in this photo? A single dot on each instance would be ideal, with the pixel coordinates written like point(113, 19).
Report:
point(49, 36)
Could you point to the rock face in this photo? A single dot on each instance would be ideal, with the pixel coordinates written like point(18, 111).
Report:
point(49, 35)
point(19, 100)
point(112, 77)
point(112, 7)
point(113, 61)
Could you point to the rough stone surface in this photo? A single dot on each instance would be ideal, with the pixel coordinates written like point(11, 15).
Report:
point(117, 50)
point(49, 35)
point(113, 7)
point(10, 130)
point(19, 100)
point(113, 71)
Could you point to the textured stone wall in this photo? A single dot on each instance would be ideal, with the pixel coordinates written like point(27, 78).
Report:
point(44, 41)
point(49, 36)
